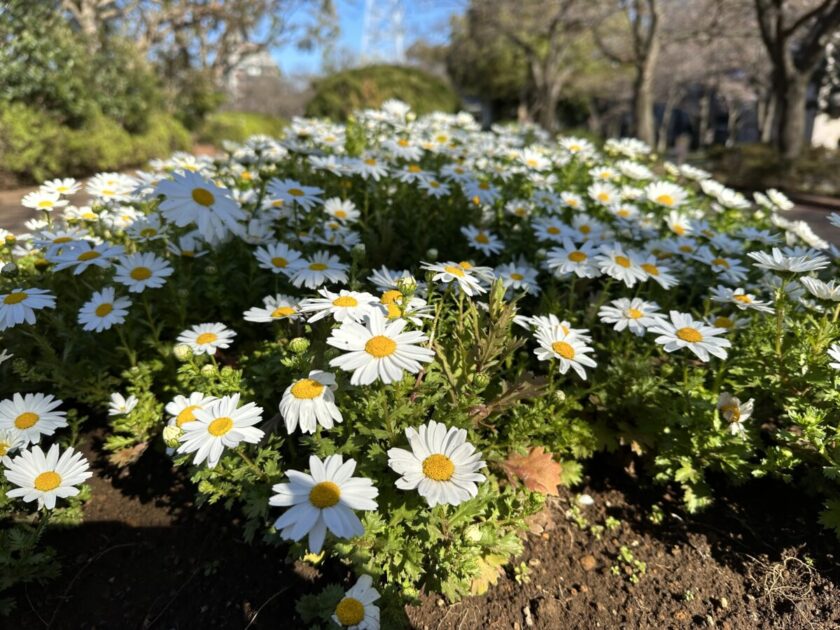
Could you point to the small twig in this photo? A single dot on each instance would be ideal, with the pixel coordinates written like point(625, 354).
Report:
point(265, 603)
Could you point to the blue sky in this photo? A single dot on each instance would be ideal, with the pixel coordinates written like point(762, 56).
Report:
point(424, 19)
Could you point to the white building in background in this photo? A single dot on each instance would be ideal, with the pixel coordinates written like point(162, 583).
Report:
point(826, 132)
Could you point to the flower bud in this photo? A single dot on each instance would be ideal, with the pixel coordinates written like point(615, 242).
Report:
point(182, 352)
point(10, 239)
point(358, 251)
point(171, 434)
point(9, 270)
point(299, 345)
point(210, 270)
point(432, 254)
point(407, 285)
point(41, 264)
point(560, 396)
point(481, 380)
point(472, 533)
point(208, 370)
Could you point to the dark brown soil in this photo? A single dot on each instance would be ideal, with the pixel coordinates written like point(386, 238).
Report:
point(146, 557)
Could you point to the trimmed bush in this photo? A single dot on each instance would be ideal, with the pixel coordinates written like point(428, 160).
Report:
point(238, 126)
point(338, 95)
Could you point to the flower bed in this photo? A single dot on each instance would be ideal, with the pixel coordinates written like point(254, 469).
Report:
point(383, 344)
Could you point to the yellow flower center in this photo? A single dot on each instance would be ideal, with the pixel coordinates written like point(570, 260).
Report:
point(584, 229)
point(296, 192)
point(26, 420)
point(402, 142)
point(307, 389)
point(686, 249)
point(394, 311)
point(744, 299)
point(141, 273)
point(634, 313)
point(345, 301)
point(61, 240)
point(481, 237)
point(47, 481)
point(104, 309)
point(622, 261)
point(517, 276)
point(370, 162)
point(723, 322)
point(389, 297)
point(341, 214)
point(187, 415)
point(465, 265)
point(220, 426)
point(438, 467)
point(413, 168)
point(623, 213)
point(46, 203)
point(691, 335)
point(350, 611)
point(577, 256)
point(4, 448)
point(203, 197)
point(651, 269)
point(380, 346)
point(484, 186)
point(731, 412)
point(531, 163)
point(720, 262)
point(679, 230)
point(665, 200)
point(564, 349)
point(434, 184)
point(89, 255)
point(279, 262)
point(282, 311)
point(553, 230)
point(603, 197)
point(205, 338)
point(148, 232)
point(15, 298)
point(316, 266)
point(455, 271)
point(325, 494)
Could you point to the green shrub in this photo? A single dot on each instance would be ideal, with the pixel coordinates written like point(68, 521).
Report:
point(29, 144)
point(238, 126)
point(338, 95)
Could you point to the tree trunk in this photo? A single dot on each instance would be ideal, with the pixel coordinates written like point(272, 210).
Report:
point(790, 115)
point(766, 117)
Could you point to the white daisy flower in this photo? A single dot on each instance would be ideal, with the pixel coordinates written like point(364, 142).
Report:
point(81, 255)
point(142, 271)
point(318, 269)
point(482, 240)
point(635, 314)
point(108, 187)
point(678, 223)
point(683, 331)
point(289, 190)
point(378, 349)
point(10, 441)
point(279, 258)
point(66, 186)
point(219, 425)
point(181, 409)
point(779, 199)
point(189, 199)
point(451, 271)
point(103, 310)
point(356, 610)
point(43, 201)
point(32, 415)
point(274, 308)
point(341, 209)
point(734, 412)
point(739, 298)
point(20, 305)
point(518, 276)
point(207, 338)
point(665, 194)
point(822, 290)
point(323, 500)
point(777, 261)
point(386, 280)
point(571, 258)
point(342, 305)
point(120, 405)
point(560, 343)
point(605, 194)
point(44, 478)
point(616, 263)
point(310, 401)
point(834, 353)
point(728, 269)
point(441, 465)
point(658, 273)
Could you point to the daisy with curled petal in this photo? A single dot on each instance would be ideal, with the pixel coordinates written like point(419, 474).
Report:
point(318, 269)
point(181, 409)
point(84, 254)
point(207, 338)
point(103, 310)
point(20, 305)
point(822, 290)
point(740, 298)
point(342, 305)
point(453, 272)
point(310, 401)
point(777, 261)
point(560, 343)
point(142, 271)
point(518, 276)
point(189, 199)
point(274, 308)
point(278, 258)
point(325, 499)
point(482, 240)
point(441, 465)
point(32, 415)
point(43, 200)
point(658, 272)
point(683, 331)
point(356, 610)
point(571, 258)
point(616, 263)
point(635, 314)
point(46, 477)
point(379, 349)
point(734, 412)
point(218, 425)
point(120, 405)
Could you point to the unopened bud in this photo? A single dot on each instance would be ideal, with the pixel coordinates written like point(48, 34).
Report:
point(299, 345)
point(42, 264)
point(472, 534)
point(432, 254)
point(208, 370)
point(171, 434)
point(182, 352)
point(560, 396)
point(358, 251)
point(210, 270)
point(9, 270)
point(407, 285)
point(481, 380)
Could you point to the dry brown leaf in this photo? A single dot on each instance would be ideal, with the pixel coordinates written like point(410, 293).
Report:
point(489, 571)
point(537, 470)
point(127, 456)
